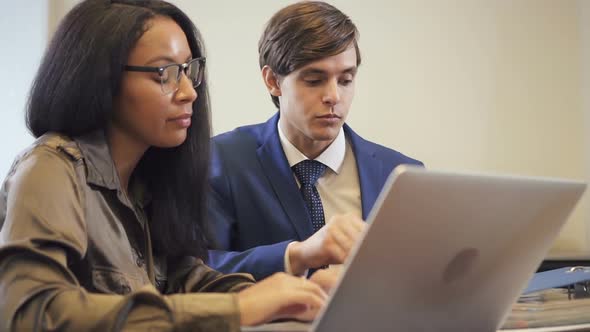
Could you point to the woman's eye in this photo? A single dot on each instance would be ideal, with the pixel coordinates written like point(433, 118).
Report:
point(164, 78)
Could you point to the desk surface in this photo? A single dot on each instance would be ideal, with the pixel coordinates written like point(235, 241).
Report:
point(580, 327)
point(301, 327)
point(280, 327)
point(545, 311)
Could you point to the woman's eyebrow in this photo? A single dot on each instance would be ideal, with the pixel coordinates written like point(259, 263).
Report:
point(167, 59)
point(160, 58)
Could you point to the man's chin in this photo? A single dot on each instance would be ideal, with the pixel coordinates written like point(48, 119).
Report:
point(325, 136)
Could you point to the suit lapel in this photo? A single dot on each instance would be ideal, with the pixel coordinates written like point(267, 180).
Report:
point(370, 169)
point(276, 167)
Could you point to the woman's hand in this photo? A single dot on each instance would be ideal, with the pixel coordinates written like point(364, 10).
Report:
point(280, 296)
point(326, 278)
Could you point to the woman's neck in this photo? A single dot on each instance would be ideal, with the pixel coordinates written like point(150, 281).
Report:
point(126, 152)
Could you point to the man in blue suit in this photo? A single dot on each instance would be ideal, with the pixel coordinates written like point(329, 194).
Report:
point(290, 194)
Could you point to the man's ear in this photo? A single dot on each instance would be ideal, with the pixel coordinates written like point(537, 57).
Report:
point(271, 81)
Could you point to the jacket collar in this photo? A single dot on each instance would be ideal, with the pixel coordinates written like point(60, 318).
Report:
point(100, 167)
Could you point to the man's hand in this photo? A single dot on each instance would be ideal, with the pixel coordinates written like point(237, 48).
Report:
point(330, 245)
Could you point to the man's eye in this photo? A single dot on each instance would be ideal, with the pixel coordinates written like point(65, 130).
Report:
point(345, 82)
point(313, 82)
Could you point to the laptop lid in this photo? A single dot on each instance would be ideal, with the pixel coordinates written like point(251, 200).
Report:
point(447, 251)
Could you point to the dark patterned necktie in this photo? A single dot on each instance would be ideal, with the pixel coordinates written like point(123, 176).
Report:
point(308, 172)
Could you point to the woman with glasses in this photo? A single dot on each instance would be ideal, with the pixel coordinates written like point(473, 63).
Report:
point(103, 218)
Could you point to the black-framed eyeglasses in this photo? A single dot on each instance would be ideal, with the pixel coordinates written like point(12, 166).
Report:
point(170, 74)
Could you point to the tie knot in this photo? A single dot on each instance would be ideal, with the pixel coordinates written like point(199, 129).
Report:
point(309, 171)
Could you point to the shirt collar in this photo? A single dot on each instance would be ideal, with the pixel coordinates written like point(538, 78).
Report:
point(333, 156)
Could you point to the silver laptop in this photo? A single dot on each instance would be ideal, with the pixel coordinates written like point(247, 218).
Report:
point(445, 251)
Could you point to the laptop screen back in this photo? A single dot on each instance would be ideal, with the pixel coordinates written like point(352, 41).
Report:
point(447, 251)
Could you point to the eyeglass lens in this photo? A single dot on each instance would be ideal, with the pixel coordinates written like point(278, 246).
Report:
point(170, 78)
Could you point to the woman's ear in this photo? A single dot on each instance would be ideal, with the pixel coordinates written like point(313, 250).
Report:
point(271, 81)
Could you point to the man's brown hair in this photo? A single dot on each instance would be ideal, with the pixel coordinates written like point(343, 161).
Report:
point(302, 33)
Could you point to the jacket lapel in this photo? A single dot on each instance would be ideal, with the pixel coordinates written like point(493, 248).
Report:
point(370, 169)
point(276, 167)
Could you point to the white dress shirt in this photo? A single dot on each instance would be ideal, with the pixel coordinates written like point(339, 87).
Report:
point(339, 186)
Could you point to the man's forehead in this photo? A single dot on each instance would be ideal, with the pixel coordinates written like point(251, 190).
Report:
point(344, 62)
point(322, 71)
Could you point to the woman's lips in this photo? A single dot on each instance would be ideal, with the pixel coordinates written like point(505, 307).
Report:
point(183, 121)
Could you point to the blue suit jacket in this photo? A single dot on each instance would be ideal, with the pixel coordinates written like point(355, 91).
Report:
point(255, 206)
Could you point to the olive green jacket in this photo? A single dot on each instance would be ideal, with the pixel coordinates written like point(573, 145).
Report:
point(76, 255)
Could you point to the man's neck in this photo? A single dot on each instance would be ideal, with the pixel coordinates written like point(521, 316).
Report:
point(309, 147)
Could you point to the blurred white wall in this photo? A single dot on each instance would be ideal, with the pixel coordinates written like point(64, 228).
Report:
point(495, 86)
point(23, 36)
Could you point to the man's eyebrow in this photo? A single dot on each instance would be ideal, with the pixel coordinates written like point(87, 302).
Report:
point(351, 70)
point(313, 71)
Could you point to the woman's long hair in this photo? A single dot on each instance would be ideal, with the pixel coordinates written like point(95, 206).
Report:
point(73, 93)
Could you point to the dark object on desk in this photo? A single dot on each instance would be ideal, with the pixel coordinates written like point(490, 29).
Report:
point(564, 259)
